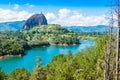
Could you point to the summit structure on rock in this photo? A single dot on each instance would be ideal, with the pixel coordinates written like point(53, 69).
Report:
point(35, 20)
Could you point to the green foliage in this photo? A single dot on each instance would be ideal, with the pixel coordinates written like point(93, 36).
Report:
point(54, 34)
point(65, 40)
point(14, 43)
point(3, 75)
point(84, 65)
point(91, 35)
point(19, 74)
point(38, 73)
point(10, 46)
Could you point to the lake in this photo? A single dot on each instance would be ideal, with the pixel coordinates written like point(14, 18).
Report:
point(46, 53)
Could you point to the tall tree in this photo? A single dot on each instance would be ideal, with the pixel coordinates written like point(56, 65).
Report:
point(19, 74)
point(118, 40)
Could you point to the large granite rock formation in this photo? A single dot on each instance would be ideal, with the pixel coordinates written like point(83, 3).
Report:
point(35, 20)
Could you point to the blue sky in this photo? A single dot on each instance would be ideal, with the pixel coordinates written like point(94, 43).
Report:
point(53, 9)
point(88, 7)
point(77, 3)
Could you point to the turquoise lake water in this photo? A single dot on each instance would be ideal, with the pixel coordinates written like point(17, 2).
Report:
point(46, 53)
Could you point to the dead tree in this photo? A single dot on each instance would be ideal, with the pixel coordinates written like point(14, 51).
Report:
point(118, 40)
point(108, 69)
point(109, 63)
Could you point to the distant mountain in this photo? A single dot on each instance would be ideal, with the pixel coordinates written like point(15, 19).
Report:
point(98, 28)
point(17, 25)
point(35, 20)
point(11, 26)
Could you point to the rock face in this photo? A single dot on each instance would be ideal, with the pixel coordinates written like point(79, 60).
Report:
point(35, 20)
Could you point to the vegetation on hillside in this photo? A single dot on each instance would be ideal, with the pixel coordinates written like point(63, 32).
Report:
point(85, 65)
point(15, 43)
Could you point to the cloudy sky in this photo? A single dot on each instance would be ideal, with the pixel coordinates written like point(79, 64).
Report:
point(64, 12)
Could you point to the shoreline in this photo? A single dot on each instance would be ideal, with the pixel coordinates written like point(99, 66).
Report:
point(20, 55)
point(64, 44)
point(9, 56)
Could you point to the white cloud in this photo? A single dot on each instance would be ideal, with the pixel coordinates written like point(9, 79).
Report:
point(16, 7)
point(29, 5)
point(7, 15)
point(67, 17)
point(63, 13)
point(50, 16)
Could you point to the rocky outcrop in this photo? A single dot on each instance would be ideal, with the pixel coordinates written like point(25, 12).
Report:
point(35, 20)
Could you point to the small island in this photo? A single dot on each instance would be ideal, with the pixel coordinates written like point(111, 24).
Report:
point(15, 43)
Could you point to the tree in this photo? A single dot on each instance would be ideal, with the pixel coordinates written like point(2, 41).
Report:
point(38, 73)
point(3, 75)
point(19, 74)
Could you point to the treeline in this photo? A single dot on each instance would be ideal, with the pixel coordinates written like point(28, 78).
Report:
point(15, 43)
point(66, 39)
point(11, 45)
point(91, 35)
point(85, 65)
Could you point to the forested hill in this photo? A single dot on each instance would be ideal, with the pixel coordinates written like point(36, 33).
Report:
point(16, 42)
point(11, 26)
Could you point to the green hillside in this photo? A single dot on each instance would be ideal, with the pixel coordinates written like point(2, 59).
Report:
point(14, 43)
